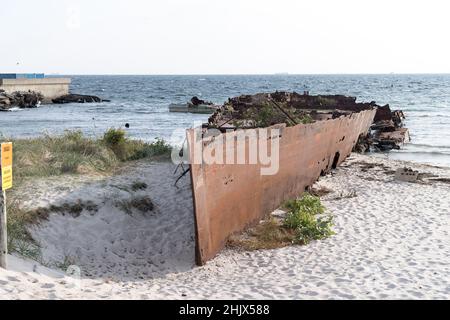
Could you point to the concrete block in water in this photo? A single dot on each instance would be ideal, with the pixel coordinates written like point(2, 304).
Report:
point(50, 88)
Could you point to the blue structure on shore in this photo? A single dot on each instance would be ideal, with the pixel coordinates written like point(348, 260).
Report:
point(22, 76)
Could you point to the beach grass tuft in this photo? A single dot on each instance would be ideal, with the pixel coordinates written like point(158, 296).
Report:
point(303, 223)
point(20, 240)
point(143, 204)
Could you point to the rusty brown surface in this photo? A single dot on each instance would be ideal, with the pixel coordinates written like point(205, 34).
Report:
point(399, 136)
point(387, 130)
point(229, 198)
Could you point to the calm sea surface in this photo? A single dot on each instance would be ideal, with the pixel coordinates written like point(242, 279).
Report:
point(142, 101)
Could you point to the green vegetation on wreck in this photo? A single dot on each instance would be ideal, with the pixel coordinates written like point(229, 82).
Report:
point(266, 115)
point(74, 153)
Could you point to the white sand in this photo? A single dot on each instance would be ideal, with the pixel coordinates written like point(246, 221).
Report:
point(392, 241)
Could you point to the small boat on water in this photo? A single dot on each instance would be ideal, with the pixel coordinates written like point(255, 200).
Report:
point(195, 106)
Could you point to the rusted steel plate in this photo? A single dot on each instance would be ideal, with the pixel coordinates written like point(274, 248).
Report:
point(400, 135)
point(229, 198)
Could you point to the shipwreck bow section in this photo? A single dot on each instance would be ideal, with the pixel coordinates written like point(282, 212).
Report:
point(317, 133)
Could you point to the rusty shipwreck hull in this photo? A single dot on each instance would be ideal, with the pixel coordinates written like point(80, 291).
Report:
point(229, 198)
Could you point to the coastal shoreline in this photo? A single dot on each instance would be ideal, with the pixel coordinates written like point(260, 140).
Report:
point(143, 101)
point(390, 243)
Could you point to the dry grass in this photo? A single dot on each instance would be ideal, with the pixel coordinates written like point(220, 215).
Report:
point(73, 153)
point(270, 234)
point(34, 216)
point(74, 209)
point(70, 153)
point(139, 185)
point(19, 238)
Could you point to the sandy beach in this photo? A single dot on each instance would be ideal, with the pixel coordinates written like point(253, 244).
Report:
point(391, 241)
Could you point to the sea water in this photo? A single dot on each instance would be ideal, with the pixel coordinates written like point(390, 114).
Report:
point(142, 102)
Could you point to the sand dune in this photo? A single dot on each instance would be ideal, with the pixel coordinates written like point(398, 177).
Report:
point(117, 245)
point(391, 242)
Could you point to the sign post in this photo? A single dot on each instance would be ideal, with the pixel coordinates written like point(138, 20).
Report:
point(6, 183)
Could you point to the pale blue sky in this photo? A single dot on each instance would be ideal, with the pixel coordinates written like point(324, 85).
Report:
point(224, 36)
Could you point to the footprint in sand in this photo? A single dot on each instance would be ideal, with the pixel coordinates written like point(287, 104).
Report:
point(13, 279)
point(52, 296)
point(311, 293)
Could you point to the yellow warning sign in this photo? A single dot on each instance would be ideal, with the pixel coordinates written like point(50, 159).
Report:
point(6, 165)
point(7, 178)
point(6, 154)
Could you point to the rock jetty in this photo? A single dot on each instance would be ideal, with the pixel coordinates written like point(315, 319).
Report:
point(77, 98)
point(32, 99)
point(19, 99)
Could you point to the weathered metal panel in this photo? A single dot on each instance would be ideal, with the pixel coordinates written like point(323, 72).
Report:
point(229, 198)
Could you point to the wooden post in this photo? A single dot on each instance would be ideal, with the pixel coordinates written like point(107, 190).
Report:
point(3, 231)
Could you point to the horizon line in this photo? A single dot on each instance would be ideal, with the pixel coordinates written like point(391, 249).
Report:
point(243, 74)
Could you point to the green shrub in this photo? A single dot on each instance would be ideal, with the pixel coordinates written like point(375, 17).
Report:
point(126, 149)
point(140, 150)
point(307, 203)
point(303, 223)
point(311, 228)
point(161, 147)
point(302, 217)
point(264, 116)
point(116, 140)
point(114, 137)
point(306, 119)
